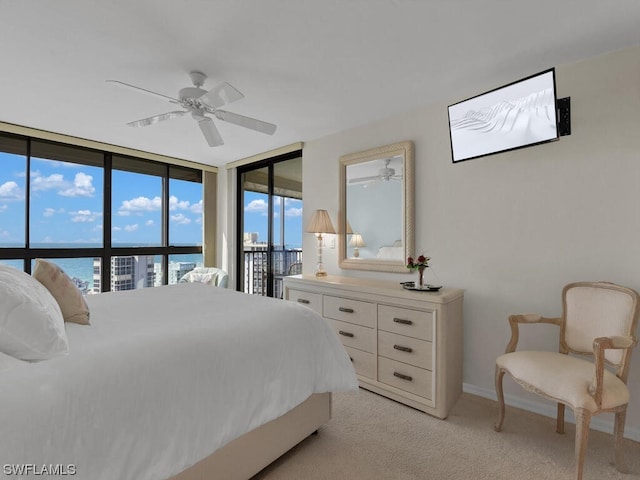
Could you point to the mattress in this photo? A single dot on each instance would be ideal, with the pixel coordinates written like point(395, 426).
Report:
point(162, 378)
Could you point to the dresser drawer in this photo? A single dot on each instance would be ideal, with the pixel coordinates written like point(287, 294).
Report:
point(404, 321)
point(311, 300)
point(405, 349)
point(364, 363)
point(405, 377)
point(352, 311)
point(355, 336)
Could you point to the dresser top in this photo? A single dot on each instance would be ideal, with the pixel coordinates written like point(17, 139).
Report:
point(374, 286)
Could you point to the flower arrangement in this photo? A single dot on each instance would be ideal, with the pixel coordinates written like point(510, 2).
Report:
point(419, 263)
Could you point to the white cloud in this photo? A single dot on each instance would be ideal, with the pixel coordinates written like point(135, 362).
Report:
point(83, 216)
point(50, 212)
point(131, 228)
point(175, 204)
point(258, 206)
point(180, 219)
point(140, 204)
point(116, 229)
point(82, 187)
point(53, 181)
point(149, 223)
point(11, 191)
point(3, 207)
point(293, 212)
point(196, 207)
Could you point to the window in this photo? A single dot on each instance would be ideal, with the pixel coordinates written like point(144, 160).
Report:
point(111, 222)
point(65, 197)
point(13, 168)
point(137, 212)
point(269, 223)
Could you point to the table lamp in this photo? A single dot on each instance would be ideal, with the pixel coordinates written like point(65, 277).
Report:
point(320, 223)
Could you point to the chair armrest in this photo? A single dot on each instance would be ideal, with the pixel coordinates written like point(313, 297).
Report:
point(514, 320)
point(601, 344)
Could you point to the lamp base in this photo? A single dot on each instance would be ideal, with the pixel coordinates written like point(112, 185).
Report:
point(321, 274)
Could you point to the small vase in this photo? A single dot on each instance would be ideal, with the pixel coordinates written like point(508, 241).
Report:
point(421, 277)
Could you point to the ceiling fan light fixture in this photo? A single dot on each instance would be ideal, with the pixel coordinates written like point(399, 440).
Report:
point(198, 102)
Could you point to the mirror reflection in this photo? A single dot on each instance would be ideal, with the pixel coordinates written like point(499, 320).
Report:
point(377, 208)
point(374, 204)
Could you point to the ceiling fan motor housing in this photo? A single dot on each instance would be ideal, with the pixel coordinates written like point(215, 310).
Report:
point(190, 93)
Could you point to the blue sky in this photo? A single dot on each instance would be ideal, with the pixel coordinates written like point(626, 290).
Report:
point(66, 205)
point(256, 218)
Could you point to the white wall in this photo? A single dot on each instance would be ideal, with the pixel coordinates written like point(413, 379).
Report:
point(512, 229)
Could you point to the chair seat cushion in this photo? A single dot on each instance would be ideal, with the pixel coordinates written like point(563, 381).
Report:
point(563, 378)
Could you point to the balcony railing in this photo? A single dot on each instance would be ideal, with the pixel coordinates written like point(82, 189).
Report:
point(255, 269)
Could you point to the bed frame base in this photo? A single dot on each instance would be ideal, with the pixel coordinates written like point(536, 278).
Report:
point(247, 455)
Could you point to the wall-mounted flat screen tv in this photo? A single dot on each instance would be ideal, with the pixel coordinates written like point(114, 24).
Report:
point(517, 115)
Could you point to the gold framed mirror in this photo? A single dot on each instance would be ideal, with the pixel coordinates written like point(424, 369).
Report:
point(376, 215)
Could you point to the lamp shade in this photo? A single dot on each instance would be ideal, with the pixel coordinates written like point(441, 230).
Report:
point(349, 229)
point(320, 223)
point(357, 241)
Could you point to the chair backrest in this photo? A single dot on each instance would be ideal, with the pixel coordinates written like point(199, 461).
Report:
point(598, 309)
point(209, 275)
point(295, 268)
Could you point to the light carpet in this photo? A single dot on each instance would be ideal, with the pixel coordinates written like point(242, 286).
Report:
point(373, 438)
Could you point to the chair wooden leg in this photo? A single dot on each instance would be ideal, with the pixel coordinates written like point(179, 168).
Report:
point(618, 435)
point(499, 392)
point(560, 419)
point(583, 419)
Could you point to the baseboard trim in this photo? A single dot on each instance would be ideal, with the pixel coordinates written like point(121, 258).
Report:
point(549, 410)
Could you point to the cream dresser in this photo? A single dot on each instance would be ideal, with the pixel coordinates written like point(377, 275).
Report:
point(405, 345)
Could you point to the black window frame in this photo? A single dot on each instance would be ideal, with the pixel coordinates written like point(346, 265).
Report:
point(29, 254)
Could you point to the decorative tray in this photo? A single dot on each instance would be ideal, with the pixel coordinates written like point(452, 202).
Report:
point(425, 288)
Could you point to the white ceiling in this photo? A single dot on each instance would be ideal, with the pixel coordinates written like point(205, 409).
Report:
point(313, 67)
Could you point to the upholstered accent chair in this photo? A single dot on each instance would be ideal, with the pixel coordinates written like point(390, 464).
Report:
point(209, 275)
point(295, 268)
point(599, 320)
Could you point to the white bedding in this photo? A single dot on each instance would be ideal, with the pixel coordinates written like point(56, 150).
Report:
point(162, 378)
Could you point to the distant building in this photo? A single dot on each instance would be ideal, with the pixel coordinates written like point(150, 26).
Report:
point(249, 238)
point(157, 274)
point(128, 272)
point(178, 269)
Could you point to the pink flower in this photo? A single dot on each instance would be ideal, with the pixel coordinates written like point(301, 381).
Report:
point(420, 262)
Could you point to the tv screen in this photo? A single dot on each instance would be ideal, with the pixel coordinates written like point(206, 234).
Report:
point(517, 115)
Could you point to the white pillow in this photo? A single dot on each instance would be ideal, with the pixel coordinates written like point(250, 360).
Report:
point(31, 323)
point(7, 362)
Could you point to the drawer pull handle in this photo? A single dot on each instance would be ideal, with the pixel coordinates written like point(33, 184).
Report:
point(403, 349)
point(403, 376)
point(346, 334)
point(303, 300)
point(345, 309)
point(403, 321)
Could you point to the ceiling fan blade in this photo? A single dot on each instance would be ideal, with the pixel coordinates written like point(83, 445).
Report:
point(143, 90)
point(156, 118)
point(221, 95)
point(364, 179)
point(247, 122)
point(210, 131)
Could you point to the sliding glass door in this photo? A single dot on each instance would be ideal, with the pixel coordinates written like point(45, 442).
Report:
point(269, 224)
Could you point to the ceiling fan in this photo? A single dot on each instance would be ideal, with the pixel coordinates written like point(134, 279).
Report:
point(199, 102)
point(384, 174)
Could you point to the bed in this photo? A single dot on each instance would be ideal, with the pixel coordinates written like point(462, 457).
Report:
point(178, 382)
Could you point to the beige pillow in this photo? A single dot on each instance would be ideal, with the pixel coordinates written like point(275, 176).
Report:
point(72, 304)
